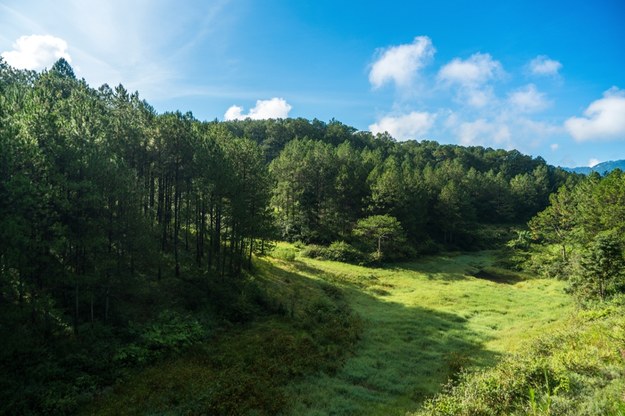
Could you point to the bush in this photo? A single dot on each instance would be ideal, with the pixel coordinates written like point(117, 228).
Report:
point(284, 253)
point(342, 251)
point(171, 332)
point(337, 251)
point(314, 251)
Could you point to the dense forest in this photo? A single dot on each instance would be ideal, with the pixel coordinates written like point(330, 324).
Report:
point(116, 222)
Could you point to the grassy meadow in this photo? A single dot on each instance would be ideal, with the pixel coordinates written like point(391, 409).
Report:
point(350, 339)
point(422, 323)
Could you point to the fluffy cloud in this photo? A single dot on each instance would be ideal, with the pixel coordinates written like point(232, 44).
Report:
point(528, 99)
point(409, 126)
point(36, 52)
point(471, 76)
point(604, 119)
point(264, 109)
point(554, 147)
point(475, 71)
point(399, 64)
point(542, 65)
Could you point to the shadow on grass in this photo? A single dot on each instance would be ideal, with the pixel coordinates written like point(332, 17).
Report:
point(498, 276)
point(405, 354)
point(301, 363)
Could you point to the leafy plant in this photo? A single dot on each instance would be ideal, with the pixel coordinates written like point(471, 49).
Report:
point(170, 333)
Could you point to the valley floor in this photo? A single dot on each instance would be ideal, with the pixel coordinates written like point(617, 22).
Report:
point(423, 322)
point(351, 340)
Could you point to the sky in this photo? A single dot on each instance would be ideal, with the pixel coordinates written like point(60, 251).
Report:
point(544, 77)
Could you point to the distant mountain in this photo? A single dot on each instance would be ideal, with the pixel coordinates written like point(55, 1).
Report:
point(601, 168)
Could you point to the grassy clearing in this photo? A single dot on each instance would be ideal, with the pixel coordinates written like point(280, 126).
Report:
point(423, 322)
point(349, 339)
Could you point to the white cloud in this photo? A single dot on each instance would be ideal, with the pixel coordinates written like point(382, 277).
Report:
point(36, 52)
point(475, 71)
point(593, 162)
point(554, 147)
point(472, 76)
point(542, 65)
point(409, 126)
point(264, 109)
point(400, 64)
point(604, 119)
point(483, 133)
point(478, 97)
point(528, 99)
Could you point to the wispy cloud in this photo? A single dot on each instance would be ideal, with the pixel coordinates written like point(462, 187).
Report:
point(264, 109)
point(543, 65)
point(604, 119)
point(36, 52)
point(125, 42)
point(400, 64)
point(414, 125)
point(528, 99)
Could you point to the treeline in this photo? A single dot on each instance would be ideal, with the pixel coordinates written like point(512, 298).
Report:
point(97, 190)
point(328, 176)
point(580, 237)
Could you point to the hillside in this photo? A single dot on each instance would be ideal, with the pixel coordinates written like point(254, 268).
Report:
point(601, 168)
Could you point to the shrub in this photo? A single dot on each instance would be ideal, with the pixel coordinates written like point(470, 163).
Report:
point(314, 251)
point(284, 253)
point(171, 332)
point(342, 251)
point(337, 251)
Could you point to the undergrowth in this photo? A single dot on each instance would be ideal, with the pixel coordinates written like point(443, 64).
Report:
point(576, 370)
point(244, 368)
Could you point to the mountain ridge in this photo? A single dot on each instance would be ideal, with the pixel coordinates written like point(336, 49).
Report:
point(601, 168)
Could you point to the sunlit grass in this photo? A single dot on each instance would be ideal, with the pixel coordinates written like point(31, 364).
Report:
point(420, 324)
point(423, 322)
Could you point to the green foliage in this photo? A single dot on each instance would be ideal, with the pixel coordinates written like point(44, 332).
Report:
point(169, 334)
point(380, 231)
point(580, 237)
point(337, 251)
point(247, 369)
point(601, 271)
point(111, 213)
point(284, 253)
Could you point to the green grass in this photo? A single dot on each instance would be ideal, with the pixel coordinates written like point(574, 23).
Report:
point(577, 370)
point(350, 340)
point(423, 322)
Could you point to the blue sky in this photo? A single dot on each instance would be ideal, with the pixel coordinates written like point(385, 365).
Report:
point(547, 78)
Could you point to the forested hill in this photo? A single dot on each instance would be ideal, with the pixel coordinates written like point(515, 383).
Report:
point(102, 161)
